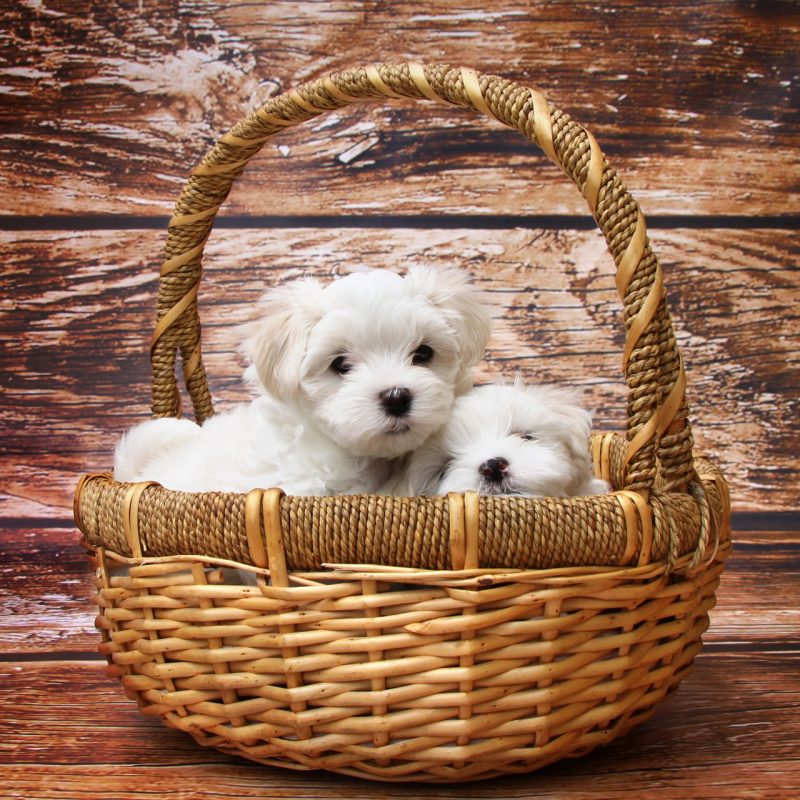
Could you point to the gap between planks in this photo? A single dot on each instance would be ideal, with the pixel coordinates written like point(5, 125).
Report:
point(54, 222)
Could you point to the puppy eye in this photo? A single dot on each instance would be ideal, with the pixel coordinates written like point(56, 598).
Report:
point(527, 437)
point(341, 366)
point(422, 355)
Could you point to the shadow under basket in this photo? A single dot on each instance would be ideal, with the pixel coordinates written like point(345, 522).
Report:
point(424, 638)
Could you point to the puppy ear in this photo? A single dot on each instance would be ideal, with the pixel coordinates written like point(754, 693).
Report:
point(575, 426)
point(560, 415)
point(450, 290)
point(276, 342)
point(580, 432)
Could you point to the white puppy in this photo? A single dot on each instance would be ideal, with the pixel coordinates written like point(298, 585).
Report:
point(505, 440)
point(354, 373)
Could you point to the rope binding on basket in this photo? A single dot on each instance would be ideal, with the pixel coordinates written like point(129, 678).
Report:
point(653, 532)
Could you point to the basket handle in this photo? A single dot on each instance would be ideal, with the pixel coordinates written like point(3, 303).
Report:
point(658, 431)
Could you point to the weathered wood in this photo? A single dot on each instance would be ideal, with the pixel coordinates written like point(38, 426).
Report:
point(69, 732)
point(229, 781)
point(78, 313)
point(47, 598)
point(106, 107)
point(107, 111)
point(746, 616)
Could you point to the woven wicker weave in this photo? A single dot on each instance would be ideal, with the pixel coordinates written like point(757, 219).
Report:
point(443, 638)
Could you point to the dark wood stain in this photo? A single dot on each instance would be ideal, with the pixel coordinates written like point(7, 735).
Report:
point(83, 308)
point(106, 108)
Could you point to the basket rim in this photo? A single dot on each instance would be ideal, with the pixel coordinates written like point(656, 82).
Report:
point(269, 530)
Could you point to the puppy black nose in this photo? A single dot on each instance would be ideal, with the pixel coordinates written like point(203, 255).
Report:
point(396, 401)
point(494, 469)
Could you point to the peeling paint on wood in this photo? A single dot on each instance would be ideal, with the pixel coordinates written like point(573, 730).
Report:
point(106, 111)
point(104, 108)
point(81, 311)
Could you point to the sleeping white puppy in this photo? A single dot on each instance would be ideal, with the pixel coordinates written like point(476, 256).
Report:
point(353, 374)
point(505, 440)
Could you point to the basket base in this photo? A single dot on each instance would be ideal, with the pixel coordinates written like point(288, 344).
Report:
point(433, 679)
point(452, 772)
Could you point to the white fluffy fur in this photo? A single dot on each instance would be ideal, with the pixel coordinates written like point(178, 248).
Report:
point(490, 422)
point(313, 430)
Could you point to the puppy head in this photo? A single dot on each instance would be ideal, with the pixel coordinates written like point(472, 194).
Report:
point(374, 358)
point(509, 440)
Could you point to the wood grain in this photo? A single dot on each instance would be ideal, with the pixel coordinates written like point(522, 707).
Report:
point(696, 104)
point(748, 618)
point(105, 109)
point(47, 597)
point(77, 323)
point(696, 739)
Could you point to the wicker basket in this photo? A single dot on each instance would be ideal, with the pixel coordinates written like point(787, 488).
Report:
point(443, 638)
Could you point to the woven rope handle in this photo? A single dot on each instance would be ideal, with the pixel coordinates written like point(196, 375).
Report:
point(659, 435)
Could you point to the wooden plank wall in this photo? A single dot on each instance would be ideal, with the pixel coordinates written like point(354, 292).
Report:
point(104, 108)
